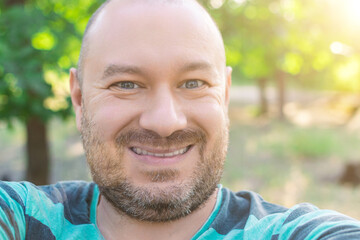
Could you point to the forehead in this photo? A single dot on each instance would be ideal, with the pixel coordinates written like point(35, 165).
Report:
point(144, 33)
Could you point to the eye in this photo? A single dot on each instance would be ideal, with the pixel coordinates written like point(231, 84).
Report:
point(191, 84)
point(127, 85)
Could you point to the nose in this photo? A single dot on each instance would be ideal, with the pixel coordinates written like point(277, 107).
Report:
point(163, 114)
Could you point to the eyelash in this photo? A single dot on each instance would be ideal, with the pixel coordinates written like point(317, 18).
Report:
point(200, 83)
point(121, 85)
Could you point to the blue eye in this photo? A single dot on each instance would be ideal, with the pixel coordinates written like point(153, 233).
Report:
point(191, 84)
point(128, 85)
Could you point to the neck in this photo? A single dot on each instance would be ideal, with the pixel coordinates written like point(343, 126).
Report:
point(114, 225)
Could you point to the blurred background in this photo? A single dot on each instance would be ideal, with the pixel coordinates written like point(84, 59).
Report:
point(295, 100)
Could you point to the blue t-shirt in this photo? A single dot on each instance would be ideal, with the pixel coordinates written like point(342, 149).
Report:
point(67, 210)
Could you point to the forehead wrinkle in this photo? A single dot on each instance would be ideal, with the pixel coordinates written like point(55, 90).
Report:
point(101, 12)
point(115, 69)
point(215, 55)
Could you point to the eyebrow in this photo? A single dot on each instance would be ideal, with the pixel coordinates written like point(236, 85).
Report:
point(114, 69)
point(203, 65)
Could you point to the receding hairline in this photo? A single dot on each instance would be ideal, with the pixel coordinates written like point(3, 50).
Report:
point(95, 15)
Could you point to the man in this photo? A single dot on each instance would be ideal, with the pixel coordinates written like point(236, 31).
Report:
point(151, 94)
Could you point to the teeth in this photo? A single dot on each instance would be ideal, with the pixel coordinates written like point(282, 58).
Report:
point(140, 151)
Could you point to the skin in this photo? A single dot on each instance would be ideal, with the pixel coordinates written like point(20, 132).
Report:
point(162, 49)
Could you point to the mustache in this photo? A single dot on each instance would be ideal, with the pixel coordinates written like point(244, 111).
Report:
point(151, 138)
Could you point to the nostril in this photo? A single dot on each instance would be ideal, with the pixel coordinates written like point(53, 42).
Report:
point(164, 121)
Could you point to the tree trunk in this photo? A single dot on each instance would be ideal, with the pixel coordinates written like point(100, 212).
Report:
point(10, 3)
point(38, 161)
point(280, 79)
point(37, 152)
point(263, 99)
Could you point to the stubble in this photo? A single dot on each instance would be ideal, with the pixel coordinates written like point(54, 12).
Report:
point(152, 203)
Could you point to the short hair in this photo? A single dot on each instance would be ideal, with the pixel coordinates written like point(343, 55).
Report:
point(85, 42)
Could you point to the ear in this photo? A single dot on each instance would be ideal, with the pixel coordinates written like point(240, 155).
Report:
point(227, 85)
point(76, 96)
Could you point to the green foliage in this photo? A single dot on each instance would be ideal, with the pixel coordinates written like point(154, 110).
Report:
point(39, 41)
point(263, 37)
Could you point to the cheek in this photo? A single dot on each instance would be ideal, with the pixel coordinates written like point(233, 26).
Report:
point(209, 115)
point(112, 116)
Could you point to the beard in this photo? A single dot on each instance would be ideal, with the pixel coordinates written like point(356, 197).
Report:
point(151, 202)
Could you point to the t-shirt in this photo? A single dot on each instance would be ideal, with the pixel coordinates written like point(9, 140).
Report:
point(67, 210)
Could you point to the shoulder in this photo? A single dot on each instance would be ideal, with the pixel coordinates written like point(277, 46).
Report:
point(247, 215)
point(13, 191)
point(70, 200)
point(27, 193)
point(240, 208)
point(307, 221)
point(46, 210)
point(68, 191)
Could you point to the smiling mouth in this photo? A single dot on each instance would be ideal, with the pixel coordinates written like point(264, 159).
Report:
point(140, 151)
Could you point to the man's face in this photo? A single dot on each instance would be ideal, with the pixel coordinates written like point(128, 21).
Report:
point(153, 112)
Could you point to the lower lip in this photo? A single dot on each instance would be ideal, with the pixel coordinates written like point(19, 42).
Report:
point(160, 161)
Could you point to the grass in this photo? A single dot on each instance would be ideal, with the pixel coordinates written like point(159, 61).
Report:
point(288, 164)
